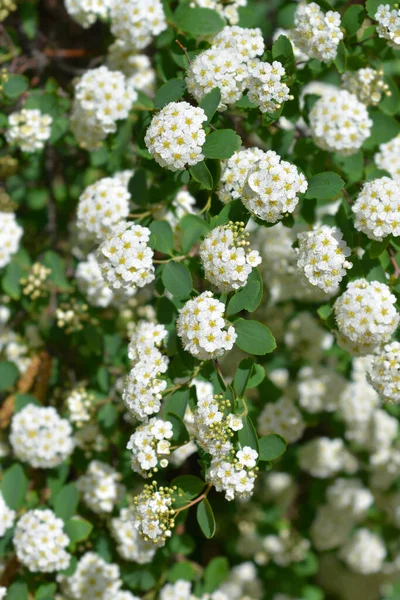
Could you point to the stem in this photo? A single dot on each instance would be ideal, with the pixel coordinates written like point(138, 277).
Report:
point(184, 51)
point(217, 366)
point(207, 207)
point(196, 500)
point(140, 215)
point(179, 385)
point(392, 255)
point(173, 258)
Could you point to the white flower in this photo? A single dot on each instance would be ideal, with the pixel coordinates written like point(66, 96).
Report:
point(272, 188)
point(100, 487)
point(384, 372)
point(388, 157)
point(86, 12)
point(93, 578)
point(377, 209)
point(40, 437)
point(7, 516)
point(340, 123)
point(29, 129)
point(10, 236)
point(318, 388)
point(266, 88)
point(227, 258)
point(79, 403)
point(152, 514)
point(91, 283)
point(389, 24)
point(286, 548)
point(350, 497)
point(316, 33)
point(175, 135)
point(281, 417)
point(149, 441)
point(367, 84)
point(246, 43)
point(137, 21)
point(366, 316)
point(201, 327)
point(129, 543)
point(247, 457)
point(40, 542)
point(323, 457)
point(365, 552)
point(122, 56)
point(228, 9)
point(322, 255)
point(234, 173)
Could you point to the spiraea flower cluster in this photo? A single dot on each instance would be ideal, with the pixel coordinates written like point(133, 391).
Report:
point(100, 487)
point(316, 33)
point(266, 88)
point(234, 473)
point(137, 21)
point(234, 172)
point(322, 255)
point(203, 329)
point(122, 56)
point(214, 426)
point(384, 372)
point(143, 386)
point(364, 552)
point(227, 258)
point(35, 285)
point(91, 283)
point(101, 207)
point(318, 388)
point(367, 84)
point(29, 129)
point(272, 188)
point(86, 12)
point(377, 209)
point(10, 236)
point(228, 9)
point(323, 457)
point(176, 136)
point(40, 437)
point(247, 44)
point(366, 316)
point(286, 548)
point(340, 123)
point(7, 516)
point(388, 157)
point(40, 542)
point(80, 406)
point(153, 514)
point(130, 545)
point(102, 97)
point(125, 258)
point(389, 24)
point(283, 418)
point(150, 445)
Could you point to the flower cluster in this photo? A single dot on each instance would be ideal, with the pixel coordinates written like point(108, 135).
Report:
point(149, 446)
point(266, 88)
point(234, 172)
point(40, 437)
point(153, 515)
point(91, 283)
point(125, 258)
point(214, 427)
point(389, 24)
point(247, 44)
point(340, 123)
point(365, 552)
point(306, 338)
point(388, 157)
point(143, 387)
point(79, 404)
point(234, 473)
point(201, 327)
point(29, 129)
point(100, 487)
point(10, 236)
point(7, 516)
point(130, 545)
point(102, 97)
point(286, 548)
point(281, 417)
point(228, 9)
point(175, 136)
point(35, 284)
point(366, 316)
point(316, 33)
point(86, 12)
point(272, 187)
point(322, 255)
point(384, 372)
point(318, 388)
point(40, 542)
point(367, 84)
point(137, 21)
point(227, 258)
point(137, 68)
point(101, 207)
point(377, 209)
point(323, 457)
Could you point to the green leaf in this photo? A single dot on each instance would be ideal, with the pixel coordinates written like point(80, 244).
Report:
point(181, 435)
point(29, 17)
point(324, 186)
point(248, 297)
point(66, 502)
point(107, 417)
point(171, 91)
point(46, 591)
point(324, 311)
point(181, 570)
point(376, 248)
point(22, 400)
point(353, 19)
point(164, 236)
point(176, 403)
point(205, 518)
point(194, 230)
point(210, 102)
point(198, 21)
point(384, 128)
point(202, 175)
point(242, 375)
point(257, 376)
point(11, 279)
point(271, 447)
point(177, 279)
point(254, 337)
point(14, 486)
point(78, 529)
point(8, 375)
point(221, 144)
point(190, 484)
point(137, 187)
point(18, 591)
point(341, 57)
point(15, 86)
point(247, 435)
point(282, 51)
point(390, 103)
point(372, 7)
point(215, 574)
point(53, 261)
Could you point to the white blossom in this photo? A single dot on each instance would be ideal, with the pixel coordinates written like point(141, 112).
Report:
point(377, 209)
point(10, 236)
point(384, 372)
point(365, 552)
point(316, 33)
point(137, 21)
point(29, 129)
point(100, 487)
point(388, 157)
point(389, 24)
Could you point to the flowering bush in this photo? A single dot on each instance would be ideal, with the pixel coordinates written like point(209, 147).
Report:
point(199, 300)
